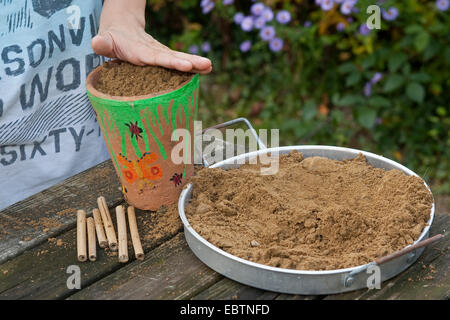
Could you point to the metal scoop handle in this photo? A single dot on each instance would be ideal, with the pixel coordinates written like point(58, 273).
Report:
point(261, 144)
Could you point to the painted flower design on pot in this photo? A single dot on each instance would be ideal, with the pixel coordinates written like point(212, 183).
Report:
point(142, 170)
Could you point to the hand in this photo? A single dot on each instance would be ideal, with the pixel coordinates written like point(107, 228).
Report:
point(122, 35)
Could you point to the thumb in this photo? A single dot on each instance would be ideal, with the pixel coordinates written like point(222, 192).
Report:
point(103, 45)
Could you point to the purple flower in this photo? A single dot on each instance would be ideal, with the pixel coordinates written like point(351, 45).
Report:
point(350, 20)
point(283, 16)
point(307, 23)
point(267, 14)
point(318, 2)
point(227, 2)
point(245, 46)
point(207, 8)
point(206, 47)
point(442, 5)
point(247, 24)
point(346, 7)
point(204, 3)
point(338, 1)
point(376, 77)
point(368, 89)
point(390, 14)
point(257, 9)
point(267, 33)
point(364, 29)
point(259, 22)
point(326, 4)
point(340, 26)
point(193, 49)
point(276, 44)
point(238, 17)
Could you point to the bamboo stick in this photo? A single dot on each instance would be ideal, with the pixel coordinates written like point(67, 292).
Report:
point(122, 231)
point(139, 253)
point(107, 221)
point(81, 235)
point(92, 245)
point(102, 241)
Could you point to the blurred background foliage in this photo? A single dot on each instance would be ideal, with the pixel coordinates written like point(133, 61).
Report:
point(332, 82)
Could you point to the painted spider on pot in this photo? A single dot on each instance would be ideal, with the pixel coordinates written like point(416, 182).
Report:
point(177, 179)
point(134, 130)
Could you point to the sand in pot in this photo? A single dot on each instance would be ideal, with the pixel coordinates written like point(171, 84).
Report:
point(138, 108)
point(314, 214)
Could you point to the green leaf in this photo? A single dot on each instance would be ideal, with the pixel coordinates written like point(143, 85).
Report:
point(309, 111)
point(368, 62)
point(447, 55)
point(421, 41)
point(420, 77)
point(366, 116)
point(414, 28)
point(431, 51)
point(393, 82)
point(406, 69)
point(441, 111)
point(349, 100)
point(379, 101)
point(396, 61)
point(353, 79)
point(347, 68)
point(415, 92)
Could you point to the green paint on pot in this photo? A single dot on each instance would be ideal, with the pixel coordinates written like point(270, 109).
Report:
point(187, 114)
point(166, 115)
point(136, 147)
point(124, 143)
point(136, 112)
point(156, 117)
point(158, 142)
point(174, 112)
point(146, 143)
point(102, 122)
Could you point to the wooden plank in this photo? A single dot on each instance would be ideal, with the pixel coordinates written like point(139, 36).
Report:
point(40, 273)
point(227, 289)
point(32, 221)
point(428, 278)
point(171, 271)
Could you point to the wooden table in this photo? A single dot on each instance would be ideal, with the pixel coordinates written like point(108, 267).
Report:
point(37, 245)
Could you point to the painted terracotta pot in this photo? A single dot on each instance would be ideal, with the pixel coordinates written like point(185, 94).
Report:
point(137, 132)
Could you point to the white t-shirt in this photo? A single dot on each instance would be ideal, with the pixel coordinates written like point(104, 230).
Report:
point(48, 129)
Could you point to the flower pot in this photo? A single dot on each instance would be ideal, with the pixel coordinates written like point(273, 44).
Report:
point(137, 131)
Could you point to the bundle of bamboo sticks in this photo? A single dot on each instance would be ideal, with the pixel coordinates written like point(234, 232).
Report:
point(100, 227)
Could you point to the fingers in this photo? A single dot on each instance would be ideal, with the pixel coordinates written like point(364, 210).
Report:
point(204, 71)
point(199, 64)
point(143, 49)
point(103, 45)
point(163, 58)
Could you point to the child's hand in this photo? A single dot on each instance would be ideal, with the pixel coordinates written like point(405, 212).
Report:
point(121, 35)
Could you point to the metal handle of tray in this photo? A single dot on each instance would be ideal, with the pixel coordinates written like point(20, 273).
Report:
point(261, 144)
point(349, 278)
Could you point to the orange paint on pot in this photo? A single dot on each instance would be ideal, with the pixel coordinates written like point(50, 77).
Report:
point(138, 129)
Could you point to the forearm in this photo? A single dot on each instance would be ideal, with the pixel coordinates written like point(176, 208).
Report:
point(122, 35)
point(116, 12)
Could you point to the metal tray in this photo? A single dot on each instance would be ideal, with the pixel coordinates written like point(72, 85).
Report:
point(301, 281)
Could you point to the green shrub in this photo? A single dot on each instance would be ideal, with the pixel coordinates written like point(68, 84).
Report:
point(320, 88)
